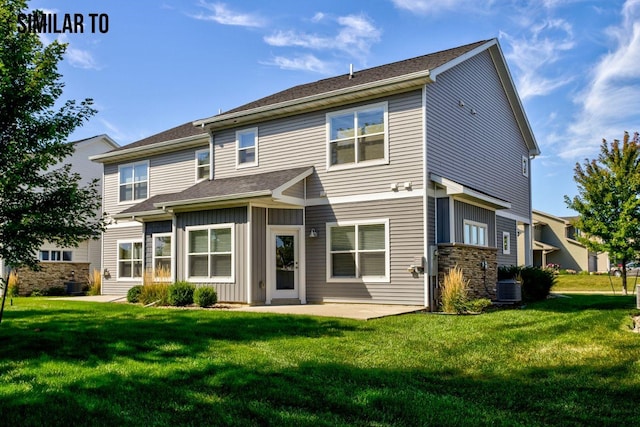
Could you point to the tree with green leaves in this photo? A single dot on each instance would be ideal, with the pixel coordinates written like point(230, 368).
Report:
point(608, 201)
point(40, 201)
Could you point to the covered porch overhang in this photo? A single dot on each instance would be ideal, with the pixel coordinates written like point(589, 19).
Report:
point(465, 193)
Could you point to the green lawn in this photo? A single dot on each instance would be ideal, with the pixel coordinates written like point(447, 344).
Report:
point(593, 283)
point(566, 361)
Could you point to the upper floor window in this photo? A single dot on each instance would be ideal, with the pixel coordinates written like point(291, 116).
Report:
point(134, 181)
point(203, 164)
point(247, 147)
point(358, 136)
point(358, 250)
point(475, 233)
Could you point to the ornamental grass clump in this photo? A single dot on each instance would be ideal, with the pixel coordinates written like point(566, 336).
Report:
point(95, 282)
point(454, 292)
point(13, 285)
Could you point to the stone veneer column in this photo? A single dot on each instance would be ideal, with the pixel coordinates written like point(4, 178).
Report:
point(482, 283)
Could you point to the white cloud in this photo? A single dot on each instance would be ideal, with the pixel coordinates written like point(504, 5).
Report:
point(611, 102)
point(534, 55)
point(432, 7)
point(221, 14)
point(302, 62)
point(79, 58)
point(318, 17)
point(355, 36)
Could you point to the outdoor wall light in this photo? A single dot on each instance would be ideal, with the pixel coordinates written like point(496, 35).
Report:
point(106, 273)
point(313, 233)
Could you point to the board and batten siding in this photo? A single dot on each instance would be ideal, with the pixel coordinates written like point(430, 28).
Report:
point(111, 285)
point(406, 227)
point(168, 173)
point(464, 211)
point(259, 257)
point(227, 292)
point(301, 140)
point(509, 226)
point(482, 150)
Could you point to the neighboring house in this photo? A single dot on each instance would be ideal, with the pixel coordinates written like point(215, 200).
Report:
point(555, 242)
point(57, 262)
point(363, 187)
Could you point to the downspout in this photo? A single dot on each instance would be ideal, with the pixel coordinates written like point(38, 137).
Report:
point(428, 288)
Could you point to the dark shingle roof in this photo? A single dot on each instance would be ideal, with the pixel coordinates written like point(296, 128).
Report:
point(182, 131)
point(232, 188)
point(382, 72)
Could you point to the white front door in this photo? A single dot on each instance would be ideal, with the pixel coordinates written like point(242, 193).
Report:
point(284, 264)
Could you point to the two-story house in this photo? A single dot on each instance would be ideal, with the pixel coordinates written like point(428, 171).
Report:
point(60, 264)
point(363, 187)
point(555, 242)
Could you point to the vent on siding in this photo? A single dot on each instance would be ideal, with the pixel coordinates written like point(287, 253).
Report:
point(508, 291)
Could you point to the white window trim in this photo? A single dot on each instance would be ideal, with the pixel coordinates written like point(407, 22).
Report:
point(128, 279)
point(49, 253)
point(153, 255)
point(506, 237)
point(357, 164)
point(198, 167)
point(366, 279)
point(479, 225)
point(238, 149)
point(198, 279)
point(128, 202)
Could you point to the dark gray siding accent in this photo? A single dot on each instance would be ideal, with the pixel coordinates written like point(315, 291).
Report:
point(474, 213)
point(406, 228)
point(482, 150)
point(149, 229)
point(258, 256)
point(443, 220)
point(286, 216)
point(510, 226)
point(431, 226)
point(229, 292)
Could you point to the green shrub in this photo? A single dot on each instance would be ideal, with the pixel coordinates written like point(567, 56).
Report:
point(55, 291)
point(133, 294)
point(181, 294)
point(157, 293)
point(536, 282)
point(35, 292)
point(205, 296)
point(478, 305)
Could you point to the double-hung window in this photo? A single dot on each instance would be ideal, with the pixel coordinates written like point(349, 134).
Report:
point(247, 148)
point(162, 256)
point(134, 181)
point(475, 233)
point(203, 164)
point(210, 253)
point(358, 136)
point(358, 251)
point(130, 259)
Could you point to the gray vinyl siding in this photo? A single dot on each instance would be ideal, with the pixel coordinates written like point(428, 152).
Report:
point(296, 190)
point(442, 218)
point(510, 226)
point(259, 255)
point(465, 211)
point(483, 150)
point(406, 227)
point(168, 173)
point(151, 228)
point(112, 286)
point(227, 292)
point(302, 141)
point(286, 217)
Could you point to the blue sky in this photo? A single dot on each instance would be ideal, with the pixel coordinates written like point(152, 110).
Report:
point(163, 63)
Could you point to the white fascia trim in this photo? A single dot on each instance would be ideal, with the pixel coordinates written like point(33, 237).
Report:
point(123, 224)
point(149, 149)
point(179, 203)
point(421, 76)
point(460, 59)
point(277, 193)
point(514, 217)
point(454, 188)
point(371, 197)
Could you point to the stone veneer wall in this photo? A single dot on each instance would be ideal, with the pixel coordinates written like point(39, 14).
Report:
point(51, 275)
point(482, 284)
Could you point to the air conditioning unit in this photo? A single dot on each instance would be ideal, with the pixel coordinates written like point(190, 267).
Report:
point(508, 291)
